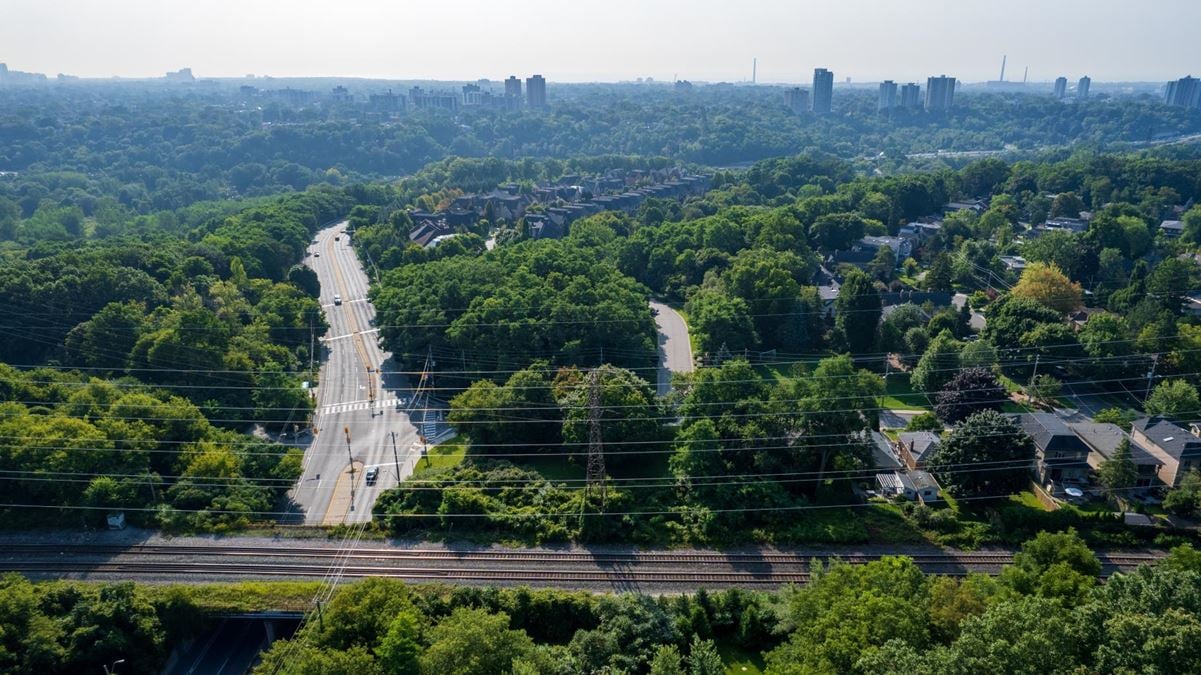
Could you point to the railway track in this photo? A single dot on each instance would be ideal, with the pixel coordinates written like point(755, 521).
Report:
point(665, 569)
point(582, 557)
point(462, 574)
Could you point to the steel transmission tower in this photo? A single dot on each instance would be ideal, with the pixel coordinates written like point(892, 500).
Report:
point(596, 448)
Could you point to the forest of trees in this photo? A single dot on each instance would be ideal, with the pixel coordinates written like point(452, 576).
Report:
point(1045, 613)
point(113, 151)
point(743, 263)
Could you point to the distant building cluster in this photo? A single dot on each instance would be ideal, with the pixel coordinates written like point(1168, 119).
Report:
point(477, 94)
point(17, 77)
point(549, 209)
point(1184, 93)
point(940, 94)
point(181, 75)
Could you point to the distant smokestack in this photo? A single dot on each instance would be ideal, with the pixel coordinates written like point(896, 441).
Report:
point(1003, 58)
point(754, 69)
point(1025, 74)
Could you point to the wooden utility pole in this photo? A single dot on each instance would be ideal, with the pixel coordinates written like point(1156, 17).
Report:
point(350, 457)
point(395, 457)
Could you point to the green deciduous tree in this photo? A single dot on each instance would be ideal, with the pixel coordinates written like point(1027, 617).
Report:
point(938, 365)
point(1174, 398)
point(1054, 565)
point(475, 642)
point(858, 310)
point(987, 454)
point(1118, 473)
point(1047, 285)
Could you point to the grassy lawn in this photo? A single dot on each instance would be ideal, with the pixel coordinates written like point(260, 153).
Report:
point(781, 373)
point(248, 596)
point(877, 524)
point(738, 661)
point(1026, 498)
point(900, 395)
point(443, 456)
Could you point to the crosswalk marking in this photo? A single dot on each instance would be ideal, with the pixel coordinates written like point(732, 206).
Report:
point(335, 408)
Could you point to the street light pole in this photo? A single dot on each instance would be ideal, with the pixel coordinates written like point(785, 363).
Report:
point(110, 669)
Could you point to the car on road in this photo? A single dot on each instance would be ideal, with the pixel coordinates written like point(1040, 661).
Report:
point(372, 475)
point(337, 299)
point(337, 238)
point(316, 254)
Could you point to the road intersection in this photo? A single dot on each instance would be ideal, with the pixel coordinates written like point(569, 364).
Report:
point(360, 420)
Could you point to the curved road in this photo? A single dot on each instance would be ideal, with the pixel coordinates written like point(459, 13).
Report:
point(675, 350)
point(351, 397)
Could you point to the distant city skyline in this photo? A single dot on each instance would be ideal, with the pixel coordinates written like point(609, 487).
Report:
point(701, 40)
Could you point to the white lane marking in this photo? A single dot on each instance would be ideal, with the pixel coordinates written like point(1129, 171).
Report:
point(362, 404)
point(349, 335)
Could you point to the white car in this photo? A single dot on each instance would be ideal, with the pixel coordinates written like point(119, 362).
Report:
point(337, 299)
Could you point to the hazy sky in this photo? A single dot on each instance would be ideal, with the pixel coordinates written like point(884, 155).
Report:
point(570, 40)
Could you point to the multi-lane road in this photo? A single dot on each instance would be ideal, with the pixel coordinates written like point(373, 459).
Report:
point(352, 398)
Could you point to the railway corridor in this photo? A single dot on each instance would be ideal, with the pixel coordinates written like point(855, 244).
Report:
point(576, 568)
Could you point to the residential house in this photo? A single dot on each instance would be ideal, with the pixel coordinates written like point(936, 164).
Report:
point(884, 456)
point(937, 299)
point(1171, 228)
point(901, 248)
point(1080, 317)
point(864, 251)
point(828, 294)
point(916, 447)
point(920, 230)
point(1177, 450)
point(1061, 456)
point(913, 485)
point(426, 230)
point(1103, 440)
point(977, 206)
point(1014, 263)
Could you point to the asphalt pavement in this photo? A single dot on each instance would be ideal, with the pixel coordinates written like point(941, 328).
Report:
point(360, 415)
point(675, 349)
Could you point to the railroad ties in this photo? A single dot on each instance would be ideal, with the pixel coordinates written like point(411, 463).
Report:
point(566, 569)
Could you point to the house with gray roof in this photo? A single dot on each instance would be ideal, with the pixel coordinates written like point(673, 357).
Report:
point(913, 485)
point(884, 456)
point(1062, 456)
point(1175, 447)
point(916, 447)
point(1103, 439)
point(1171, 228)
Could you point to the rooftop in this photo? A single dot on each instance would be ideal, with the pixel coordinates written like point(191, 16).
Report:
point(920, 442)
point(1050, 433)
point(1169, 436)
point(1104, 438)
